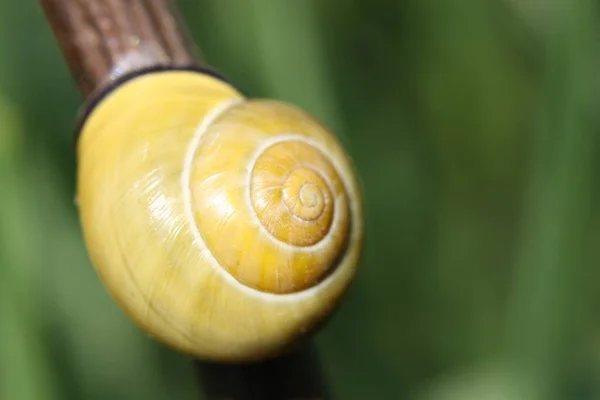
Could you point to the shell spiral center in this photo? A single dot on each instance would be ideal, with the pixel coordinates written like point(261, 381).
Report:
point(292, 200)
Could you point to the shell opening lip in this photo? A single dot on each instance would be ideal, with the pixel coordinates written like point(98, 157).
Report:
point(98, 96)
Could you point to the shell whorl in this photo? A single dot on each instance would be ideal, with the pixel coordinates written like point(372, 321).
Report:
point(228, 228)
point(269, 205)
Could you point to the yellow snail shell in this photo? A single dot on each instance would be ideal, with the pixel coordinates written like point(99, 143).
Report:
point(226, 228)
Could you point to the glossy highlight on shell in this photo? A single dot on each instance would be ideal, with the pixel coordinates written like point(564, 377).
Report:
point(227, 228)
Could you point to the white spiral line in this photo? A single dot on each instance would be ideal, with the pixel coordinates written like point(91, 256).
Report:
point(336, 209)
point(189, 213)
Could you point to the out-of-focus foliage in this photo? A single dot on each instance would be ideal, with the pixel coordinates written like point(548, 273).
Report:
point(473, 125)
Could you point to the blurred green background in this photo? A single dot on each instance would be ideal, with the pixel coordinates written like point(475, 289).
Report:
point(473, 125)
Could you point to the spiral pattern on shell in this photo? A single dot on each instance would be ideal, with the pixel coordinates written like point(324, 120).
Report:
point(282, 224)
point(225, 227)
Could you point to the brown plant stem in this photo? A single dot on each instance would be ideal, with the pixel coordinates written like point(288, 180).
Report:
point(103, 40)
point(296, 375)
point(106, 41)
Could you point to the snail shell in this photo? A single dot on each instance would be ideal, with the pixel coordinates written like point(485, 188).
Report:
point(226, 228)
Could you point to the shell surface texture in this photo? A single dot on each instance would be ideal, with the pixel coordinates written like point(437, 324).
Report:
point(225, 227)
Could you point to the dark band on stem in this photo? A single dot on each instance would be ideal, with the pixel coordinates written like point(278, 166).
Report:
point(109, 42)
point(96, 97)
